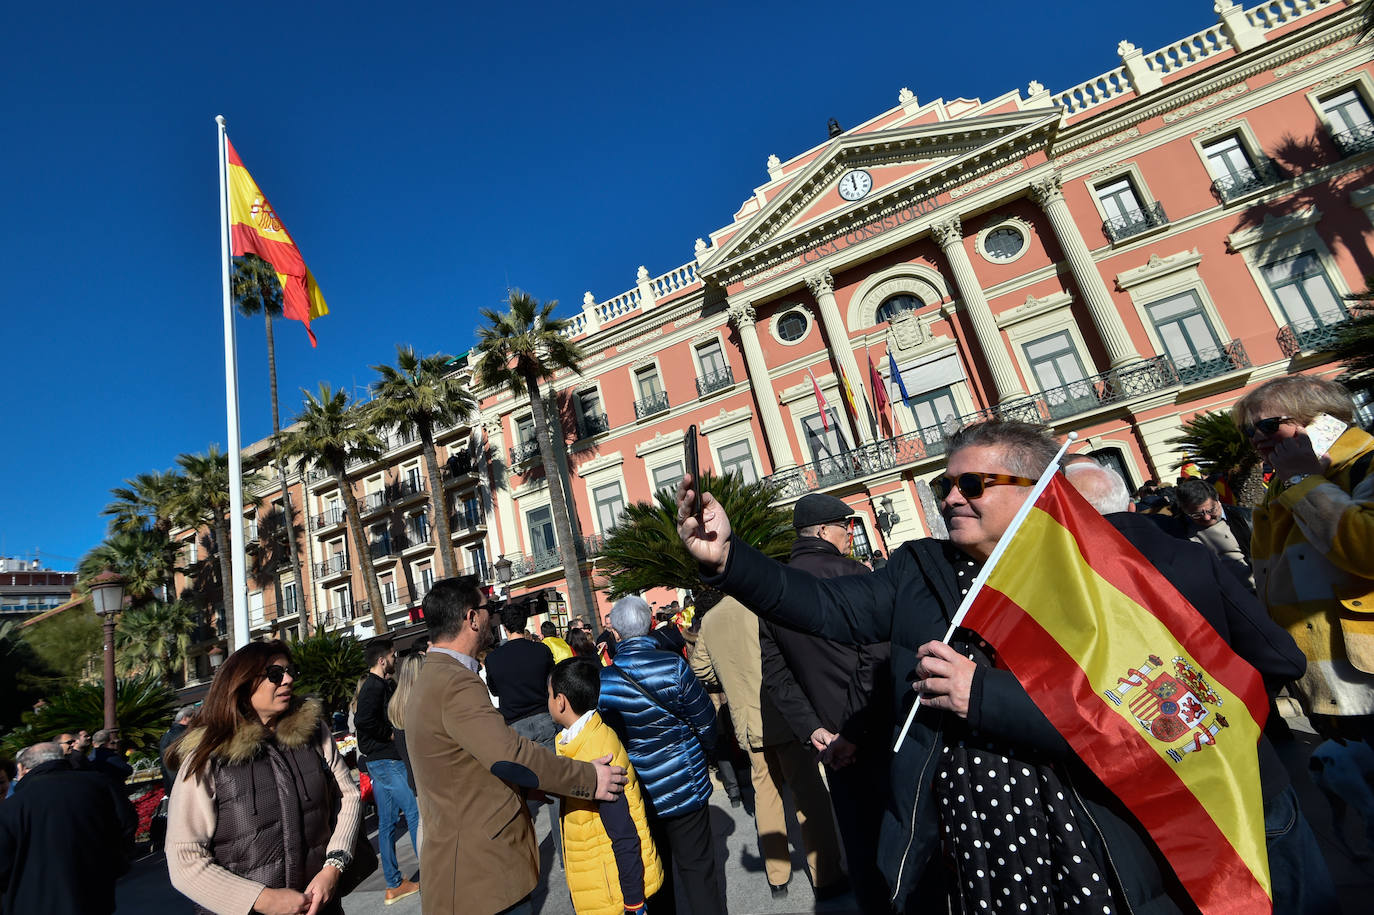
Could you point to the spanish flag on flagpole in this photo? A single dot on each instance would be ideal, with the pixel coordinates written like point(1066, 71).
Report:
point(255, 229)
point(1142, 687)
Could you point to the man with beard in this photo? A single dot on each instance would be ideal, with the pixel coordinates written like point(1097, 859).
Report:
point(390, 785)
point(479, 854)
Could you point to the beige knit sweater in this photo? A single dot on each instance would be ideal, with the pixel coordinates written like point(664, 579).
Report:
point(191, 816)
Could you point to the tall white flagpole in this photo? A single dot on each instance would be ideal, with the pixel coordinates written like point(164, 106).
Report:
point(231, 398)
point(1017, 520)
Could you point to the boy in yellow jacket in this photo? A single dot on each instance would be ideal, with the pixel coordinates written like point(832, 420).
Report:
point(608, 857)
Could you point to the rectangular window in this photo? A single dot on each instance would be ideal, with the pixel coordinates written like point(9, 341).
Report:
point(417, 527)
point(413, 478)
point(1346, 111)
point(542, 540)
point(862, 547)
point(736, 458)
point(647, 383)
point(255, 609)
point(1059, 372)
point(1184, 330)
point(193, 551)
point(589, 402)
point(1228, 160)
point(711, 358)
point(342, 605)
point(932, 408)
point(610, 503)
point(472, 511)
point(289, 602)
point(668, 475)
point(424, 580)
point(477, 561)
point(380, 541)
point(388, 583)
point(824, 439)
point(1304, 291)
point(524, 430)
point(250, 529)
point(1120, 201)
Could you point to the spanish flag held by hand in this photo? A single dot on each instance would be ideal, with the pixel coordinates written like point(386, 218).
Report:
point(255, 229)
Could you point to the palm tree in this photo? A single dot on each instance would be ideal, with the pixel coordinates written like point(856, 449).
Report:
point(519, 350)
point(1217, 444)
point(203, 500)
point(1354, 346)
point(329, 665)
point(154, 639)
point(146, 504)
point(644, 551)
point(331, 432)
point(417, 396)
point(145, 559)
point(255, 288)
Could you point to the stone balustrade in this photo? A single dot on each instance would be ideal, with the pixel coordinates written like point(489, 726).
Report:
point(1094, 92)
point(1181, 54)
point(1275, 13)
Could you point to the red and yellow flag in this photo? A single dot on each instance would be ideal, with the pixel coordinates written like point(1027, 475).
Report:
point(1141, 686)
point(255, 229)
point(849, 395)
point(820, 401)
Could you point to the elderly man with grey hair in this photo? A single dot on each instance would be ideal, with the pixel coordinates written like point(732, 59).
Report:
point(652, 698)
point(65, 837)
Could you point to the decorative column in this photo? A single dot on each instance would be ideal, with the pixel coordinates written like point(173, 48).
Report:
point(774, 432)
point(1050, 197)
point(949, 235)
point(822, 286)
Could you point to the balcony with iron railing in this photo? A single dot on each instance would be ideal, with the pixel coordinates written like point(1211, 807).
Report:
point(525, 451)
point(1136, 222)
point(373, 502)
point(334, 565)
point(523, 565)
point(589, 424)
point(654, 403)
point(1149, 376)
point(1310, 336)
point(715, 381)
point(1354, 140)
point(329, 517)
point(459, 467)
point(466, 522)
point(1264, 174)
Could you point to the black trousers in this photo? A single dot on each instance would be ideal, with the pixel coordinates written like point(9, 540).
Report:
point(686, 840)
point(859, 815)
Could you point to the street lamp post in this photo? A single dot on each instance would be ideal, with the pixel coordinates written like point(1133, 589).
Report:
point(503, 574)
point(107, 594)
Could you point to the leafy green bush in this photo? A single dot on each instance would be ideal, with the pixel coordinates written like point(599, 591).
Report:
point(330, 665)
point(143, 706)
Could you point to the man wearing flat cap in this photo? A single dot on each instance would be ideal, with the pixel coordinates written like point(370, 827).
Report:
point(825, 691)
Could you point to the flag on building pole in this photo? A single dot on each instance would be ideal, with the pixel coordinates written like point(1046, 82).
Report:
point(897, 376)
point(1142, 687)
point(256, 229)
point(880, 398)
point(820, 401)
point(849, 395)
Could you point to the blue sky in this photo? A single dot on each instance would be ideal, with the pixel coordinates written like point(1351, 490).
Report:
point(425, 157)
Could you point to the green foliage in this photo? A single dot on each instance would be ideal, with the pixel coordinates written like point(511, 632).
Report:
point(255, 287)
point(1354, 347)
point(154, 639)
point(331, 431)
point(143, 706)
point(330, 665)
point(527, 342)
point(63, 645)
point(418, 393)
point(145, 559)
point(1216, 443)
point(644, 551)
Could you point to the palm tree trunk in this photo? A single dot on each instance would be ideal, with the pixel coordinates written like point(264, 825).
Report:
point(355, 530)
point(226, 574)
point(438, 502)
point(562, 524)
point(288, 512)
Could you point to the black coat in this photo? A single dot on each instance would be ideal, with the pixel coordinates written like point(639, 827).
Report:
point(821, 683)
point(65, 838)
point(370, 719)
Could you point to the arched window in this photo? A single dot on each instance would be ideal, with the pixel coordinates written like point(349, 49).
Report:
point(895, 305)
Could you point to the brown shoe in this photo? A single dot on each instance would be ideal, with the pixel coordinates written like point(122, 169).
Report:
point(397, 893)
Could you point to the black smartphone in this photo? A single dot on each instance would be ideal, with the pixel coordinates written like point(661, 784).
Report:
point(694, 467)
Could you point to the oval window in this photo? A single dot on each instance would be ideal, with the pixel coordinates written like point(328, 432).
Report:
point(792, 326)
point(897, 304)
point(1004, 243)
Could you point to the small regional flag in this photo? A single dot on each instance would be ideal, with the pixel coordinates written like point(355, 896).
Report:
point(255, 229)
point(1142, 687)
point(879, 389)
point(820, 401)
point(849, 395)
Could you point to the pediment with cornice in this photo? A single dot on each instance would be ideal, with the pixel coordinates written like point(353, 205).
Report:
point(909, 165)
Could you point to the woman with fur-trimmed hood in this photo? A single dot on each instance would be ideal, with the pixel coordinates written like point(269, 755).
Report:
point(264, 814)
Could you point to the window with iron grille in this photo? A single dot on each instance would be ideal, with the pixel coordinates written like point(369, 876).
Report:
point(1304, 291)
point(737, 458)
point(895, 305)
point(1184, 329)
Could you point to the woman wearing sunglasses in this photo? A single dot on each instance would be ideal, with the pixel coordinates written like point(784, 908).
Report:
point(264, 814)
point(1313, 545)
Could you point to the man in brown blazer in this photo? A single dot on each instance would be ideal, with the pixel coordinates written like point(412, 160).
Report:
point(478, 855)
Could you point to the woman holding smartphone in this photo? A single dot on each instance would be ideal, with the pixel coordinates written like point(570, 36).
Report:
point(1313, 542)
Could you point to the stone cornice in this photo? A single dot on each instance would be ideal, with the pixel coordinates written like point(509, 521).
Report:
point(1034, 307)
point(1156, 267)
point(658, 443)
point(724, 418)
point(599, 463)
point(1271, 227)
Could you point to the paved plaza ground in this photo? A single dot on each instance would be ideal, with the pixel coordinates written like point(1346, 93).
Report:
point(146, 888)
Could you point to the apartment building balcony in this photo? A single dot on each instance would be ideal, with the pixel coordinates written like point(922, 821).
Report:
point(715, 381)
point(465, 522)
point(1310, 336)
point(654, 403)
point(522, 565)
point(1264, 174)
point(415, 539)
point(1149, 376)
point(523, 452)
point(1150, 216)
point(590, 424)
point(333, 566)
point(330, 517)
point(373, 502)
point(459, 469)
point(382, 549)
point(1355, 140)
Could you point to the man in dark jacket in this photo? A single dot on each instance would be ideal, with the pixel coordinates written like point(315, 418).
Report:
point(910, 603)
point(42, 869)
point(826, 692)
point(180, 720)
point(1223, 529)
point(390, 784)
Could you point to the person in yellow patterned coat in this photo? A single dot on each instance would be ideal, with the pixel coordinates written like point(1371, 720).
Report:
point(1313, 545)
point(609, 858)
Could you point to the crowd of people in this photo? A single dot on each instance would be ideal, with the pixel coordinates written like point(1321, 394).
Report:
point(804, 672)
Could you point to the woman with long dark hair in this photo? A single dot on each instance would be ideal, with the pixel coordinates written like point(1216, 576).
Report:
point(264, 813)
point(582, 645)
